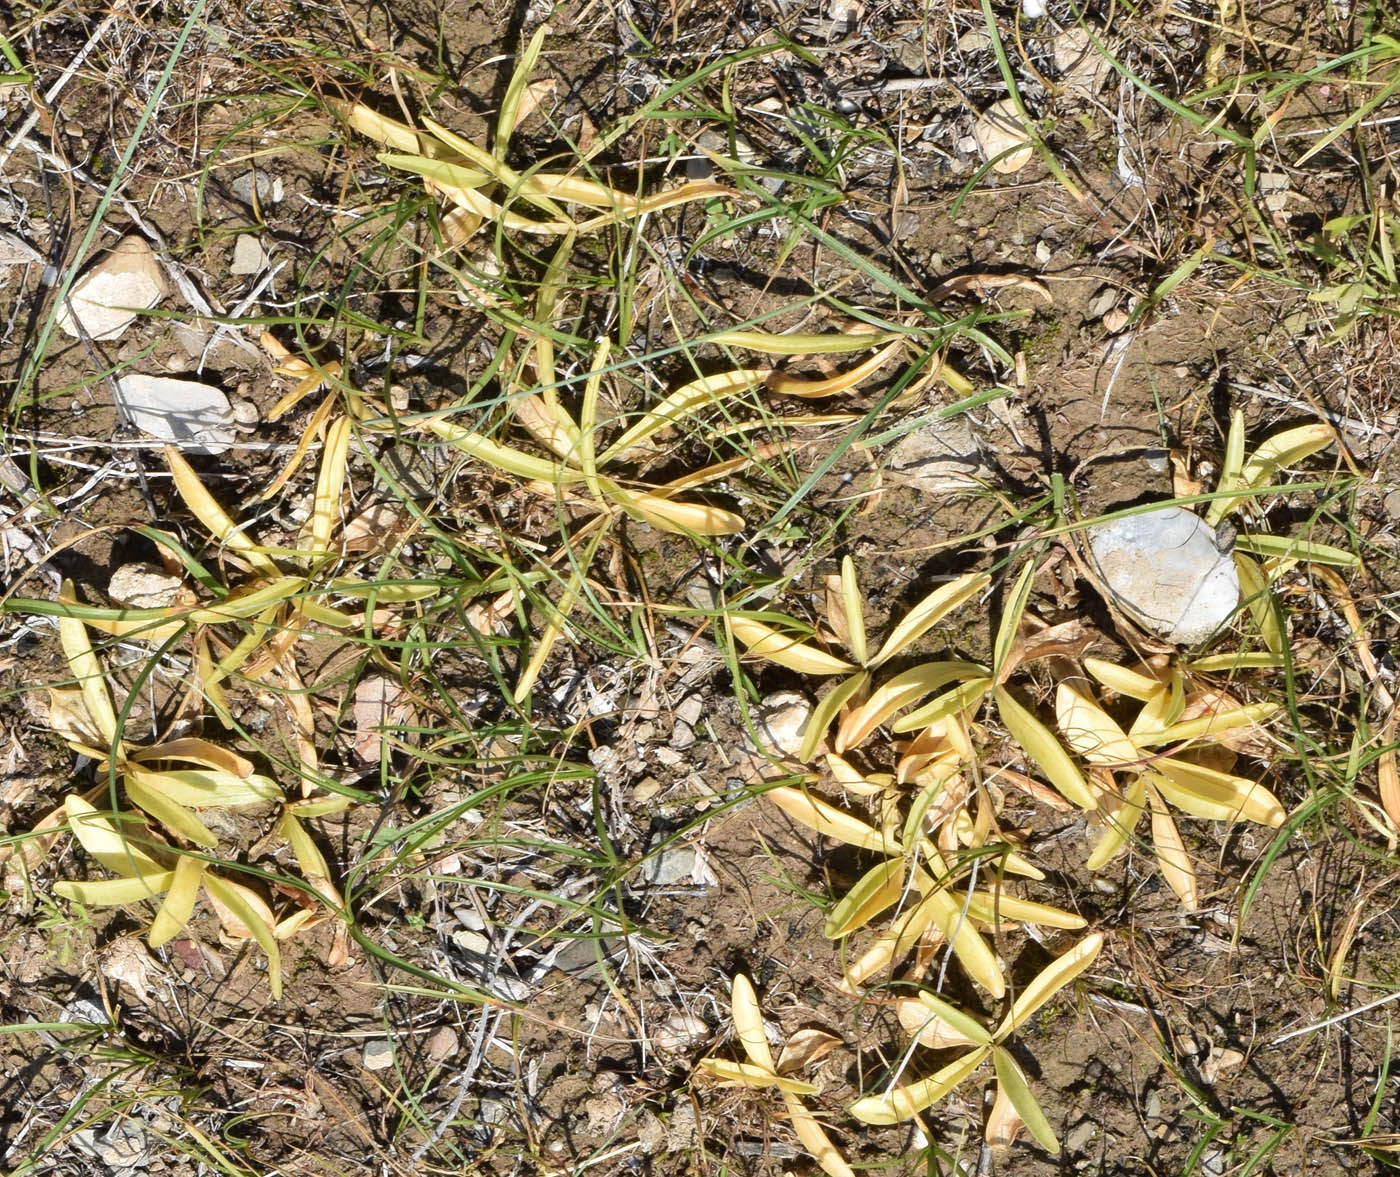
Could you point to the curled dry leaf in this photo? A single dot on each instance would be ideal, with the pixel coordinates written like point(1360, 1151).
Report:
point(805, 1049)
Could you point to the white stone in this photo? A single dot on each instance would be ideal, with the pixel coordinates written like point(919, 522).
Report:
point(378, 1055)
point(194, 416)
point(106, 300)
point(143, 586)
point(249, 257)
point(999, 129)
point(781, 719)
point(1166, 571)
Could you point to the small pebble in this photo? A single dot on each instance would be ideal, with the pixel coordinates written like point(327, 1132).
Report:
point(378, 1054)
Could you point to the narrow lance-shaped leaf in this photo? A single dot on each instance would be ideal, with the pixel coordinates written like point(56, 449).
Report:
point(1038, 742)
point(1014, 610)
point(100, 838)
point(1230, 470)
point(179, 903)
point(903, 690)
point(171, 814)
point(879, 888)
point(1262, 605)
point(1170, 851)
point(748, 1022)
point(908, 1100)
point(204, 507)
point(244, 906)
point(1091, 732)
point(115, 892)
point(855, 611)
point(815, 1140)
point(83, 663)
point(1208, 792)
point(1049, 981)
point(929, 612)
point(1121, 820)
point(752, 1075)
point(1012, 1081)
point(826, 819)
point(1122, 679)
point(325, 512)
point(826, 711)
point(766, 642)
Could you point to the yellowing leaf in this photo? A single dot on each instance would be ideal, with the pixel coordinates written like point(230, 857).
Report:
point(1208, 726)
point(1121, 817)
point(1207, 792)
point(101, 839)
point(179, 903)
point(204, 507)
point(1091, 732)
point(804, 345)
point(903, 690)
point(1285, 449)
point(200, 788)
point(1010, 623)
point(86, 669)
point(115, 892)
point(908, 1100)
point(961, 1024)
point(966, 696)
point(986, 907)
point(1049, 981)
point(815, 1140)
point(1259, 598)
point(752, 1075)
point(968, 946)
point(330, 482)
point(195, 751)
point(684, 402)
point(826, 711)
point(244, 912)
point(748, 1023)
point(766, 642)
point(1018, 1091)
point(679, 518)
point(929, 612)
point(854, 609)
point(879, 888)
point(171, 814)
point(1039, 744)
point(1123, 680)
point(829, 821)
point(1170, 851)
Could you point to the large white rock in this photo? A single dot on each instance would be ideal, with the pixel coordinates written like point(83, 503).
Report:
point(194, 416)
point(1165, 569)
point(109, 296)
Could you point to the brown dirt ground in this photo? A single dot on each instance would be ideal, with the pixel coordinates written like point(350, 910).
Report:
point(594, 1069)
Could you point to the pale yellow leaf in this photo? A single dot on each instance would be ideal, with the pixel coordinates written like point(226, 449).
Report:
point(765, 642)
point(179, 903)
point(829, 821)
point(1170, 851)
point(815, 1140)
point(1049, 981)
point(748, 1023)
point(907, 1100)
point(1041, 747)
point(1091, 732)
point(929, 612)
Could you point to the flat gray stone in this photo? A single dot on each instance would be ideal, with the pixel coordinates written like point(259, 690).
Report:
point(1166, 570)
point(939, 457)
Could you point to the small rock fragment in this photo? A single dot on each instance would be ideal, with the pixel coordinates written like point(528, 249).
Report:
point(106, 300)
point(1002, 137)
point(1102, 302)
point(781, 719)
point(268, 189)
point(143, 586)
point(378, 1054)
point(939, 457)
point(442, 1044)
point(196, 417)
point(678, 866)
point(1165, 569)
point(678, 1032)
point(249, 257)
point(1081, 67)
